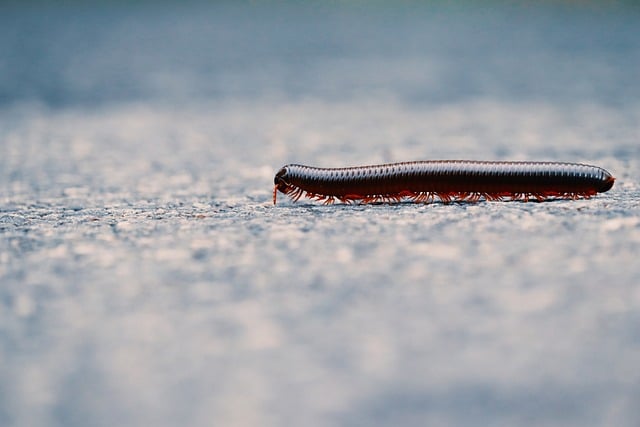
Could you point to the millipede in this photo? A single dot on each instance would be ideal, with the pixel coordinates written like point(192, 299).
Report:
point(443, 180)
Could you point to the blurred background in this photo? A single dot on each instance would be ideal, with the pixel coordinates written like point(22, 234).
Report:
point(147, 279)
point(66, 54)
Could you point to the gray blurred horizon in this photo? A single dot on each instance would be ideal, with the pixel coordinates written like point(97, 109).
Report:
point(418, 52)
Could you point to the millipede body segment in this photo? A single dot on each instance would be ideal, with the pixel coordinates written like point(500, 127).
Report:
point(444, 180)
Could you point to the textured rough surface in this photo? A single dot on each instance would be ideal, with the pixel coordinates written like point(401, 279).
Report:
point(147, 279)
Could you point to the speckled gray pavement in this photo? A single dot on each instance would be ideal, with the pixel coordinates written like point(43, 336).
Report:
point(146, 278)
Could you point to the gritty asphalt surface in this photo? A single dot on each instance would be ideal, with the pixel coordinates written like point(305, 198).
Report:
point(146, 278)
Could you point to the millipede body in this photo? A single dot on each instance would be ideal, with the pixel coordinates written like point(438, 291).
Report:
point(444, 180)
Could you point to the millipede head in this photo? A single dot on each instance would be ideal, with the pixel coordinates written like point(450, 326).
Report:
point(280, 182)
